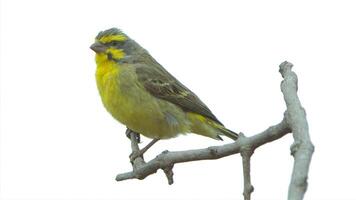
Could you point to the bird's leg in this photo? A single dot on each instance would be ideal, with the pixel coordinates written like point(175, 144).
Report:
point(149, 145)
point(132, 135)
point(139, 153)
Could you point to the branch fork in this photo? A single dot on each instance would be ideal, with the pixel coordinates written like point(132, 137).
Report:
point(294, 121)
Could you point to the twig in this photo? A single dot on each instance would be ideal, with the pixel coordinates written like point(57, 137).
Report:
point(302, 148)
point(246, 154)
point(169, 174)
point(167, 159)
point(138, 161)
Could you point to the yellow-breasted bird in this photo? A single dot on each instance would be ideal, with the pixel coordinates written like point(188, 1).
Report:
point(141, 94)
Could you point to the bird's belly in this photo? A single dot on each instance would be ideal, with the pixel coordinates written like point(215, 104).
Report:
point(141, 112)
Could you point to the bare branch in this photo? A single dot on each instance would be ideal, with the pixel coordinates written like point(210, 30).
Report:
point(294, 121)
point(167, 159)
point(246, 154)
point(169, 174)
point(138, 161)
point(134, 137)
point(302, 148)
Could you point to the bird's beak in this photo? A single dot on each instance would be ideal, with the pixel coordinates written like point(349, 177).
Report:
point(98, 47)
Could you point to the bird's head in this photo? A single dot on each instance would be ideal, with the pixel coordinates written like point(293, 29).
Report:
point(111, 44)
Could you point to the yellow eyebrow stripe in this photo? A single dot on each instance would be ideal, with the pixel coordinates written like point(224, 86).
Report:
point(110, 38)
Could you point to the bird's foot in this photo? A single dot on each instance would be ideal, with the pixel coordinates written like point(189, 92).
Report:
point(136, 135)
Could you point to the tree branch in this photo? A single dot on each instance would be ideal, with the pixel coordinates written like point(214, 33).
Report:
point(302, 149)
point(246, 154)
point(167, 159)
point(294, 120)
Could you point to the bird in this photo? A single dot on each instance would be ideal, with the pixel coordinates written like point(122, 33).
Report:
point(138, 92)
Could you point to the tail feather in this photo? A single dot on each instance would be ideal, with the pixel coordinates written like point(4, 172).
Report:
point(228, 133)
point(207, 127)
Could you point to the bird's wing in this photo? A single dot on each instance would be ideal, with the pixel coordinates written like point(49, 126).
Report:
point(161, 84)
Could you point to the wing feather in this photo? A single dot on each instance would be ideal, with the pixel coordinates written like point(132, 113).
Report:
point(161, 84)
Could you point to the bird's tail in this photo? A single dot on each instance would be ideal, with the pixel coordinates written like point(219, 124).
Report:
point(207, 127)
point(228, 133)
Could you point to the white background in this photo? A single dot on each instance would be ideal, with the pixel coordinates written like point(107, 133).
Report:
point(58, 142)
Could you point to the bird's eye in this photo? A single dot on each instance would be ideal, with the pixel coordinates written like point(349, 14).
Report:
point(114, 43)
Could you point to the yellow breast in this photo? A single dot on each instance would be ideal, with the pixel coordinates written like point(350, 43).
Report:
point(108, 83)
point(106, 73)
point(129, 103)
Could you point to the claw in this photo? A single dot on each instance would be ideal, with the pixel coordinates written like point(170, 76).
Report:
point(136, 135)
